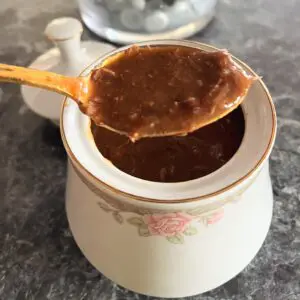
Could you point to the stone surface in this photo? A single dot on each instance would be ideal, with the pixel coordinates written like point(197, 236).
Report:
point(39, 258)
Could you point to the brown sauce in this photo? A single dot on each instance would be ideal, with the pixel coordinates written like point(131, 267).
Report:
point(165, 90)
point(174, 158)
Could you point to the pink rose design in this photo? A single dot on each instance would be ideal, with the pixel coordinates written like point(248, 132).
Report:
point(167, 224)
point(215, 217)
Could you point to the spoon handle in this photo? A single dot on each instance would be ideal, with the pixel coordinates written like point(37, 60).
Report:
point(73, 87)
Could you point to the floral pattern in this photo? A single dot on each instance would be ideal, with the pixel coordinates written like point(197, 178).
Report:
point(167, 224)
point(173, 226)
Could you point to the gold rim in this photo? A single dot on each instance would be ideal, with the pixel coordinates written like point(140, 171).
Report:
point(185, 200)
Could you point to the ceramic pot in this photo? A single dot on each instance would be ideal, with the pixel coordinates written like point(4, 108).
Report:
point(171, 239)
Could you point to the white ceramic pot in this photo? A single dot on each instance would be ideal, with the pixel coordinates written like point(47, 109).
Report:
point(171, 239)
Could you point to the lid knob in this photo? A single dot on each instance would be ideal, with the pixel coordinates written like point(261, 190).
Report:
point(63, 29)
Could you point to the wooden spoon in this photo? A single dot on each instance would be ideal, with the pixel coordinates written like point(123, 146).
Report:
point(171, 112)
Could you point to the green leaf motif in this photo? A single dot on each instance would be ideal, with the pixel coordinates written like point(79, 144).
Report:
point(105, 207)
point(118, 217)
point(144, 231)
point(176, 239)
point(135, 221)
point(190, 231)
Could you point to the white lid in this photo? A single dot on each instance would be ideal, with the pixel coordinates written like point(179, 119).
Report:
point(69, 58)
point(63, 29)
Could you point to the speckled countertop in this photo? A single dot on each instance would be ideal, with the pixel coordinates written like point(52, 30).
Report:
point(39, 258)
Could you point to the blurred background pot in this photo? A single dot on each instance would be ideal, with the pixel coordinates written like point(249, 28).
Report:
point(130, 21)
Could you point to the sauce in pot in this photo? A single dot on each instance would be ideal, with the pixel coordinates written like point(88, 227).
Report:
point(174, 158)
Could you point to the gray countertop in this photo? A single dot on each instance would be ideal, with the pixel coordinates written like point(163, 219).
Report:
point(39, 258)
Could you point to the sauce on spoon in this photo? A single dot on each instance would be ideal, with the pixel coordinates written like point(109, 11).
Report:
point(164, 90)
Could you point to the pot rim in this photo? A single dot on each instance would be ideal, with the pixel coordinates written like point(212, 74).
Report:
point(184, 200)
